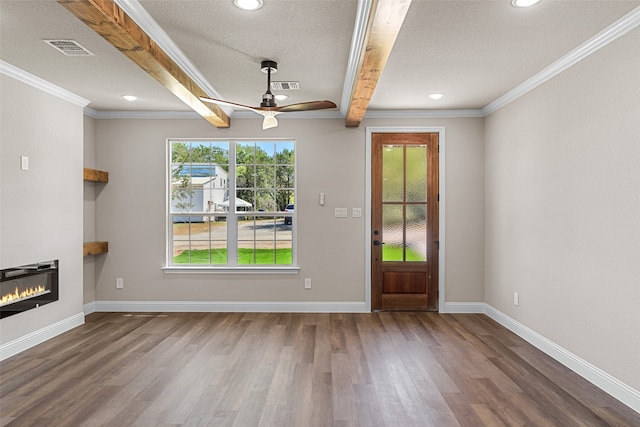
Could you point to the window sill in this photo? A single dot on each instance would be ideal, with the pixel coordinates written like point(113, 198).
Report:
point(174, 269)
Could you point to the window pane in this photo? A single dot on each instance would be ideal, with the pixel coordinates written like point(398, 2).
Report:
point(285, 177)
point(284, 252)
point(200, 240)
point(265, 200)
point(246, 228)
point(245, 200)
point(416, 232)
point(265, 176)
point(181, 228)
point(245, 153)
point(393, 173)
point(416, 173)
point(220, 153)
point(285, 153)
point(264, 241)
point(180, 152)
point(181, 193)
point(265, 152)
point(245, 176)
point(246, 253)
point(283, 198)
point(393, 239)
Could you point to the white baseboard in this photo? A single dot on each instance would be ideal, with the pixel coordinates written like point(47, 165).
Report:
point(232, 306)
point(609, 384)
point(89, 308)
point(41, 335)
point(464, 307)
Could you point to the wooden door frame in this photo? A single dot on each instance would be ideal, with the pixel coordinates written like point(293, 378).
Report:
point(440, 130)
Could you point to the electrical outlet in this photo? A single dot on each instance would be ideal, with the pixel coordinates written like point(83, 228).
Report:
point(307, 283)
point(340, 213)
point(119, 283)
point(516, 298)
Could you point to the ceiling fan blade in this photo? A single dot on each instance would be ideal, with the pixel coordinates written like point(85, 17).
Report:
point(227, 103)
point(306, 106)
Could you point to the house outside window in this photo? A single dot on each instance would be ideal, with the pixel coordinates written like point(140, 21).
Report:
point(226, 203)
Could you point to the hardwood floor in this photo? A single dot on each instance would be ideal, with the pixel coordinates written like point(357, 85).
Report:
point(283, 369)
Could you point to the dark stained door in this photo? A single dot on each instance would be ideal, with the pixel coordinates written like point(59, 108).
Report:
point(404, 221)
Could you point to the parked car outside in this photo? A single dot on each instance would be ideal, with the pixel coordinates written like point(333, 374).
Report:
point(288, 220)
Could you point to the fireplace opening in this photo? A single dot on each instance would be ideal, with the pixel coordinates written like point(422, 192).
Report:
point(28, 286)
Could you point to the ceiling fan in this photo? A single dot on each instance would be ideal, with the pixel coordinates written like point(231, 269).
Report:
point(268, 107)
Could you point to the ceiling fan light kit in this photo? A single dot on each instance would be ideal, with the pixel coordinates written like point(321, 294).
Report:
point(268, 108)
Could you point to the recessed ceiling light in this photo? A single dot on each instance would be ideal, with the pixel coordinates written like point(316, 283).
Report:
point(281, 97)
point(436, 95)
point(248, 4)
point(524, 3)
point(130, 97)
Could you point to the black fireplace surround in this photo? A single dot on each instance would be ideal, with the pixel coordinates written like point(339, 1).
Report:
point(28, 286)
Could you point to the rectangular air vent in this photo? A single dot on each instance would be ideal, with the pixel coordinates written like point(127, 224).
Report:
point(285, 85)
point(69, 47)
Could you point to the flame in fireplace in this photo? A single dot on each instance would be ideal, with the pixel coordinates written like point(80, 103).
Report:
point(19, 295)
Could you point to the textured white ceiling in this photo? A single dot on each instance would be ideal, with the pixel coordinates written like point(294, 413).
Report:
point(473, 51)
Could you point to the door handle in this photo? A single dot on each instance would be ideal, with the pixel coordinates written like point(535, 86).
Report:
point(377, 243)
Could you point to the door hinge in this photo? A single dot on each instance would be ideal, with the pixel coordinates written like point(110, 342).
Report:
point(438, 197)
point(437, 242)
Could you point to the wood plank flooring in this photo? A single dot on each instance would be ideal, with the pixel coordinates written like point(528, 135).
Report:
point(284, 369)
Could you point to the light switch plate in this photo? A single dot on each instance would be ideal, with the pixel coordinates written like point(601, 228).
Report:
point(340, 212)
point(24, 163)
point(356, 212)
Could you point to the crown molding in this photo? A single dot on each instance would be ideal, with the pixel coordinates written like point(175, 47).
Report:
point(421, 114)
point(619, 28)
point(372, 114)
point(38, 83)
point(168, 115)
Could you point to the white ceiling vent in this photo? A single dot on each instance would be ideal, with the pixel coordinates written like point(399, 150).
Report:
point(69, 47)
point(285, 85)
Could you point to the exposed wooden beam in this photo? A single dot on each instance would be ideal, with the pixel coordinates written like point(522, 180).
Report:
point(385, 21)
point(107, 19)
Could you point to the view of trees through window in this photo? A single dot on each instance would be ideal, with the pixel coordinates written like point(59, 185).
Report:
point(209, 227)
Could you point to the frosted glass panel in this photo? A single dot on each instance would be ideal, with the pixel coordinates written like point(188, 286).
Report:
point(416, 232)
point(392, 235)
point(416, 173)
point(392, 173)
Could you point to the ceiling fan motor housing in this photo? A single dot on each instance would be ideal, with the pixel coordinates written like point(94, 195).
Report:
point(268, 100)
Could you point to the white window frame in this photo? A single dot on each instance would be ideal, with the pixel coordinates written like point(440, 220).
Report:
point(232, 217)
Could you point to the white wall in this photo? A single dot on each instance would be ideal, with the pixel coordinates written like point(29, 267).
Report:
point(91, 191)
point(563, 209)
point(330, 159)
point(41, 209)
